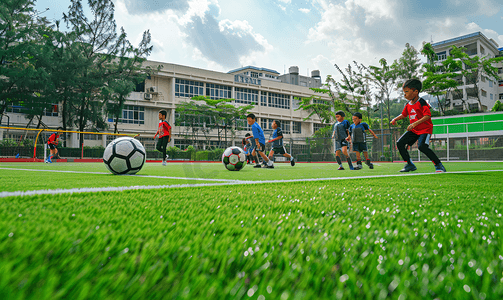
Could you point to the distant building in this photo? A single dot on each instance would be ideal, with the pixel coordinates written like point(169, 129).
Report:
point(489, 91)
point(273, 95)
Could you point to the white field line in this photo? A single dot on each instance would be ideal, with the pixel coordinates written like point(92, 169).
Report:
point(108, 173)
point(151, 187)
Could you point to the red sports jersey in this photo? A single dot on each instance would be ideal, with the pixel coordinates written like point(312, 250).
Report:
point(415, 112)
point(164, 128)
point(53, 139)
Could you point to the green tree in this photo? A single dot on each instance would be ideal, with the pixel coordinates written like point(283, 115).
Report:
point(408, 66)
point(20, 75)
point(440, 77)
point(498, 106)
point(226, 115)
point(102, 59)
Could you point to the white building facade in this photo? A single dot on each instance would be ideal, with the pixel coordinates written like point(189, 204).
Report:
point(272, 94)
point(488, 90)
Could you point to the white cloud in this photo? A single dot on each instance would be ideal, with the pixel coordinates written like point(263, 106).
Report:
point(304, 10)
point(283, 8)
point(286, 1)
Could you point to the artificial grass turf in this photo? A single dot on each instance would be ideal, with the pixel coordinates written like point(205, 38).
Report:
point(27, 180)
point(416, 237)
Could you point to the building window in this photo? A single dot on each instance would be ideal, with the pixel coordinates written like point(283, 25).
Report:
point(484, 93)
point(193, 120)
point(217, 91)
point(491, 96)
point(140, 87)
point(278, 101)
point(92, 137)
point(263, 99)
point(501, 96)
point(188, 88)
point(297, 127)
point(296, 102)
point(131, 115)
point(254, 75)
point(266, 124)
point(442, 56)
point(246, 96)
point(483, 79)
point(285, 126)
point(490, 83)
point(318, 126)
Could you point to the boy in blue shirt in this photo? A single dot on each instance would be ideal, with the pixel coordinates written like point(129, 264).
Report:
point(258, 136)
point(340, 134)
point(358, 137)
point(277, 143)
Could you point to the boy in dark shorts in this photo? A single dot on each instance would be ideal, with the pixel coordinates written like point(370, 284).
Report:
point(258, 136)
point(340, 133)
point(164, 132)
point(277, 143)
point(359, 138)
point(52, 143)
point(251, 146)
point(420, 128)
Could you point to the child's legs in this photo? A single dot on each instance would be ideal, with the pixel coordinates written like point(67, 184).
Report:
point(408, 138)
point(366, 155)
point(287, 155)
point(262, 154)
point(357, 155)
point(345, 150)
point(423, 145)
point(338, 153)
point(271, 154)
point(161, 146)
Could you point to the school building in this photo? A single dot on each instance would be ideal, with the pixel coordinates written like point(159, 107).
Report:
point(273, 95)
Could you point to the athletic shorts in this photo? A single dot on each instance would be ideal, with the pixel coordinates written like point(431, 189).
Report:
point(52, 146)
point(261, 148)
point(360, 147)
point(279, 150)
point(340, 144)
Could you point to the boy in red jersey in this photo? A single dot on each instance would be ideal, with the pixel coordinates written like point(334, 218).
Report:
point(420, 128)
point(164, 132)
point(53, 142)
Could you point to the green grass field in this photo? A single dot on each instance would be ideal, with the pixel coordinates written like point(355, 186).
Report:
point(432, 236)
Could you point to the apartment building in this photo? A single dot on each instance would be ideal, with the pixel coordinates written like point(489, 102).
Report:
point(488, 90)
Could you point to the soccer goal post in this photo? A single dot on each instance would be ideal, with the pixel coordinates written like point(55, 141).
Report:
point(17, 142)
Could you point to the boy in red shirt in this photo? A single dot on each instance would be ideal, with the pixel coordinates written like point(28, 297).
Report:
point(53, 142)
point(420, 128)
point(164, 132)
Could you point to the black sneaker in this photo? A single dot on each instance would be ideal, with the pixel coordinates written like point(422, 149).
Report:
point(440, 168)
point(341, 168)
point(358, 167)
point(257, 166)
point(371, 165)
point(292, 162)
point(408, 168)
point(270, 167)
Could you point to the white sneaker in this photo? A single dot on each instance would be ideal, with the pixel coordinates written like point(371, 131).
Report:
point(167, 156)
point(163, 162)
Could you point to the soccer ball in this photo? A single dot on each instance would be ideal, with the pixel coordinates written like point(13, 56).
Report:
point(124, 155)
point(234, 158)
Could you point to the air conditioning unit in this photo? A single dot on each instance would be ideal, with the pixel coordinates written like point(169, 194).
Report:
point(148, 96)
point(153, 89)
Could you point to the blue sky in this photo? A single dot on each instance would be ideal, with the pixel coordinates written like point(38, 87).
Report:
point(222, 35)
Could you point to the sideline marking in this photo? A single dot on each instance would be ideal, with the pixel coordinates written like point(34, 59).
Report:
point(131, 175)
point(150, 187)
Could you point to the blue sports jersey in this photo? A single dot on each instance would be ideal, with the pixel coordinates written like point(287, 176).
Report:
point(363, 126)
point(277, 143)
point(258, 133)
point(340, 129)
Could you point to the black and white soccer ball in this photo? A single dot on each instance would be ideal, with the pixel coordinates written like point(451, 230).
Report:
point(234, 158)
point(124, 155)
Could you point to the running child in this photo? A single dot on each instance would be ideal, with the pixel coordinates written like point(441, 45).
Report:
point(340, 133)
point(277, 143)
point(420, 128)
point(251, 141)
point(258, 136)
point(164, 132)
point(53, 142)
point(359, 138)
